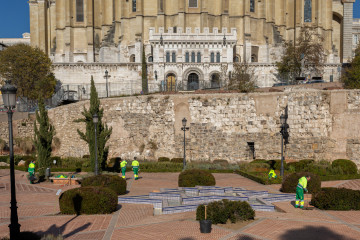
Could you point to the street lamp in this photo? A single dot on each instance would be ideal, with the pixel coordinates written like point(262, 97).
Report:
point(9, 98)
point(96, 120)
point(106, 77)
point(284, 136)
point(184, 128)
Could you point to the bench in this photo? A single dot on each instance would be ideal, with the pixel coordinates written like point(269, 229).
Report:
point(65, 181)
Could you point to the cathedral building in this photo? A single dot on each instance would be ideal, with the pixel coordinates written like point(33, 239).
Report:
point(188, 44)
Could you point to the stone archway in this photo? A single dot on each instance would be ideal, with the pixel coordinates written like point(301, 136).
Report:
point(193, 81)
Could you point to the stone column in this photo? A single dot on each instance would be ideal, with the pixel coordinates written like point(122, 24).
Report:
point(347, 33)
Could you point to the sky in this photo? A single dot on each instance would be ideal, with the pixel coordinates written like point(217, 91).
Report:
point(14, 17)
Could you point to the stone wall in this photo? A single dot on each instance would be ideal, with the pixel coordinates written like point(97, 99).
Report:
point(323, 125)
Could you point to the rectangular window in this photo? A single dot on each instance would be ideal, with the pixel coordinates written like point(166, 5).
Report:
point(193, 3)
point(173, 57)
point(161, 5)
point(134, 5)
point(187, 57)
point(80, 10)
point(252, 5)
point(307, 11)
point(168, 57)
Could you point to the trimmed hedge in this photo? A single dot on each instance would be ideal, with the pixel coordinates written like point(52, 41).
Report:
point(196, 177)
point(222, 211)
point(348, 166)
point(163, 159)
point(113, 182)
point(337, 199)
point(88, 200)
point(260, 178)
point(177, 160)
point(290, 182)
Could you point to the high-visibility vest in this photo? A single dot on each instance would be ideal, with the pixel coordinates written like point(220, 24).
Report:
point(123, 164)
point(302, 183)
point(135, 163)
point(273, 173)
point(31, 165)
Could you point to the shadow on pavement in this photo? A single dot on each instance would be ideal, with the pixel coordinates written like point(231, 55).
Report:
point(53, 229)
point(309, 233)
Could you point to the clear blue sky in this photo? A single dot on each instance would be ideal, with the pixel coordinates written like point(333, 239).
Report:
point(14, 17)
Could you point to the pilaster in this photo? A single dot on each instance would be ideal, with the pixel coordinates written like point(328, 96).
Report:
point(347, 29)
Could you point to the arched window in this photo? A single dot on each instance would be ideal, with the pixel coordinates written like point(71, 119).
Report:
point(236, 59)
point(193, 57)
point(218, 57)
point(167, 56)
point(173, 57)
point(187, 58)
point(307, 11)
point(212, 57)
point(79, 10)
point(132, 58)
point(150, 59)
point(134, 5)
point(252, 5)
point(199, 57)
point(215, 80)
point(254, 58)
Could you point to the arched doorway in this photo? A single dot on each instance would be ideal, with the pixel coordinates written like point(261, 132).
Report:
point(170, 83)
point(337, 35)
point(215, 80)
point(193, 81)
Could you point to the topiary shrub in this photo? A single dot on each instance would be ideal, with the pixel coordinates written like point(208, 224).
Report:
point(259, 161)
point(222, 211)
point(347, 166)
point(163, 159)
point(196, 177)
point(114, 182)
point(88, 200)
point(337, 199)
point(290, 182)
point(221, 162)
point(113, 164)
point(177, 160)
point(276, 164)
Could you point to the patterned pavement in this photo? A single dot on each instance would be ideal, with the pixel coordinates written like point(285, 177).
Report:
point(38, 211)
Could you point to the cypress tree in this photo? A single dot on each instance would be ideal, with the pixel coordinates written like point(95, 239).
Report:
point(103, 133)
point(43, 138)
point(144, 73)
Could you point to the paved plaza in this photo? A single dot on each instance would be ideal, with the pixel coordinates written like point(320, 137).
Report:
point(38, 211)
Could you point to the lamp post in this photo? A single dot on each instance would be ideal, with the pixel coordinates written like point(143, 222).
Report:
point(96, 120)
point(184, 128)
point(106, 77)
point(9, 98)
point(284, 138)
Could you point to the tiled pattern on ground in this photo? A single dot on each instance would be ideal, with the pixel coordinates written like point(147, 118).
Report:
point(352, 184)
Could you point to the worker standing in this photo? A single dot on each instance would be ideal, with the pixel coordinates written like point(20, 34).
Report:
point(123, 168)
point(31, 171)
point(135, 166)
point(301, 187)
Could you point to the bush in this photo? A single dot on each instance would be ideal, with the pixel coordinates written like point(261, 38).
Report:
point(4, 159)
point(114, 182)
point(261, 177)
point(276, 164)
point(163, 159)
point(196, 177)
point(337, 199)
point(222, 211)
point(259, 161)
point(88, 200)
point(290, 182)
point(113, 164)
point(347, 166)
point(221, 162)
point(177, 160)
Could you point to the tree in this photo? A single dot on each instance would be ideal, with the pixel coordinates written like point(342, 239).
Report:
point(242, 78)
point(351, 75)
point(102, 131)
point(30, 69)
point(43, 138)
point(144, 73)
point(306, 57)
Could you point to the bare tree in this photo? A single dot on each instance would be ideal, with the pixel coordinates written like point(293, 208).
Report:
point(242, 78)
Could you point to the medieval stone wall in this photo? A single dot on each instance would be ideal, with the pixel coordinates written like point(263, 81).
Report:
point(323, 125)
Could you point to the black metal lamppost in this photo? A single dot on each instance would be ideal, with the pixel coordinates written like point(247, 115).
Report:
point(284, 139)
point(96, 120)
point(9, 98)
point(107, 77)
point(184, 128)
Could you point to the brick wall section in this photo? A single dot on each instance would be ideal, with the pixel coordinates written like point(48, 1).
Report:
point(323, 125)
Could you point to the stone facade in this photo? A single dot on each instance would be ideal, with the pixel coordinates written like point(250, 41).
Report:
point(323, 125)
point(117, 31)
point(356, 34)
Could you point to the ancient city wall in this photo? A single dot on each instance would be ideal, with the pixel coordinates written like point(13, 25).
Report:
point(323, 125)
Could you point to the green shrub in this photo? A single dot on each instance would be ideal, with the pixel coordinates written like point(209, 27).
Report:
point(177, 160)
point(88, 200)
point(113, 164)
point(221, 162)
point(196, 177)
point(114, 182)
point(260, 177)
point(222, 211)
point(276, 164)
point(163, 159)
point(290, 182)
point(58, 161)
point(4, 159)
point(347, 166)
point(337, 199)
point(86, 156)
point(259, 161)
